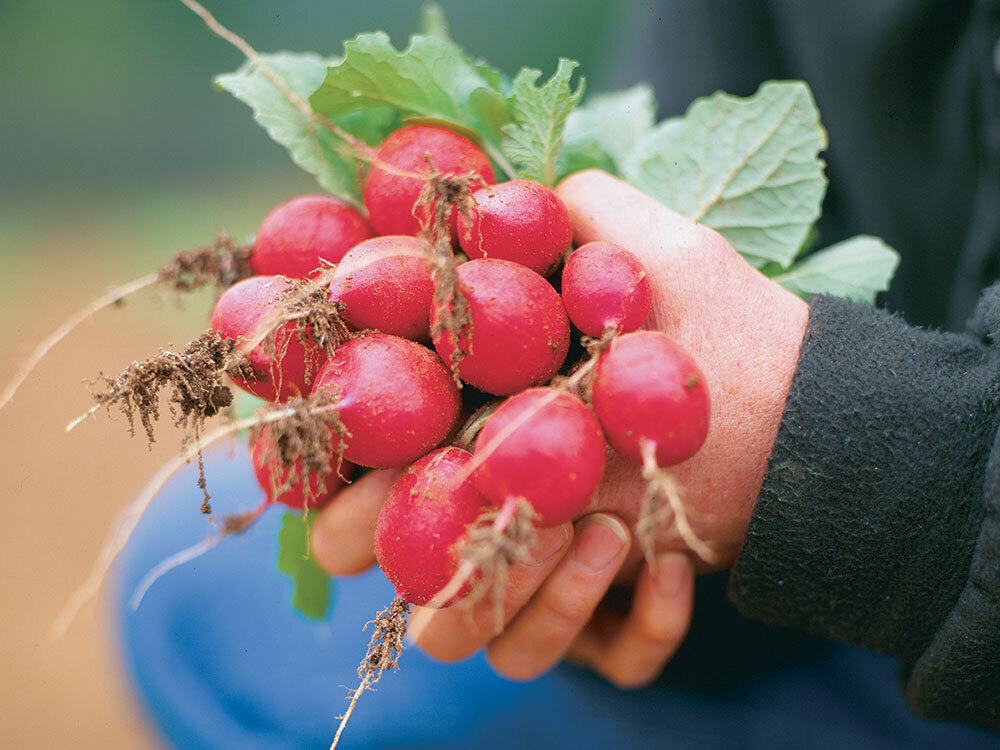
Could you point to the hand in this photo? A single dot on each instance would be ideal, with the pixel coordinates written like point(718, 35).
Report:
point(745, 332)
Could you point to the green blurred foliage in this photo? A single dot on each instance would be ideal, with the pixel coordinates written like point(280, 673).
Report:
point(106, 92)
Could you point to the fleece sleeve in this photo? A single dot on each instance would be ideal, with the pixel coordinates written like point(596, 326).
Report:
point(878, 522)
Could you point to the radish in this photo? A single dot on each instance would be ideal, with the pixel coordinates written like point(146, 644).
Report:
point(521, 221)
point(422, 522)
point(295, 485)
point(604, 287)
point(385, 284)
point(543, 445)
point(648, 389)
point(301, 235)
point(518, 334)
point(287, 366)
point(391, 197)
point(397, 400)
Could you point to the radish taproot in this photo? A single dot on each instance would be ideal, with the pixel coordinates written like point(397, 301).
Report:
point(423, 521)
point(295, 486)
point(518, 334)
point(285, 365)
point(385, 284)
point(301, 235)
point(391, 197)
point(520, 221)
point(396, 399)
point(545, 446)
point(647, 388)
point(605, 287)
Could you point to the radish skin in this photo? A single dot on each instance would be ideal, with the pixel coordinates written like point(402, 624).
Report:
point(300, 236)
point(391, 198)
point(543, 445)
point(520, 221)
point(385, 284)
point(519, 335)
point(604, 286)
point(397, 399)
point(240, 312)
point(647, 388)
point(422, 521)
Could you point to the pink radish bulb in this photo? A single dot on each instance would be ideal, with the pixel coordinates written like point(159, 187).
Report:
point(301, 235)
point(386, 285)
point(605, 286)
point(397, 399)
point(520, 221)
point(647, 387)
point(520, 333)
point(242, 313)
point(546, 446)
point(390, 198)
point(422, 522)
point(272, 476)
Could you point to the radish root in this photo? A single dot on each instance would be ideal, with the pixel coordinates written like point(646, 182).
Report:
point(655, 516)
point(383, 654)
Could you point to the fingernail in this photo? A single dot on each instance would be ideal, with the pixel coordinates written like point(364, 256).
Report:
point(599, 540)
point(671, 573)
point(550, 541)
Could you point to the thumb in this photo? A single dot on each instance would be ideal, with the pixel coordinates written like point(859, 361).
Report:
point(689, 265)
point(602, 207)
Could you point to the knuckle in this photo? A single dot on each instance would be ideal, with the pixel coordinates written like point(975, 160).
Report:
point(567, 607)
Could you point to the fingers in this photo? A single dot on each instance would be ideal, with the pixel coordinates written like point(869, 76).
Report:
point(459, 631)
point(543, 630)
point(647, 638)
point(343, 536)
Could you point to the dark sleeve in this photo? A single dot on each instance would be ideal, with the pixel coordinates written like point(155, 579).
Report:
point(878, 522)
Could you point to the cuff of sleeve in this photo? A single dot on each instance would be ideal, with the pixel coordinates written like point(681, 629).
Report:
point(869, 513)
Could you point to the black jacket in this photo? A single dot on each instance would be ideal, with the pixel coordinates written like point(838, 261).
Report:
point(878, 523)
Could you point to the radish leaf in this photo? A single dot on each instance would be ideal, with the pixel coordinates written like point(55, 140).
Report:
point(310, 145)
point(534, 139)
point(312, 592)
point(431, 78)
point(858, 268)
point(748, 168)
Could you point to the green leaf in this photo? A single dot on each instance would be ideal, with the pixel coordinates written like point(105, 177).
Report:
point(858, 268)
point(431, 78)
point(606, 128)
point(748, 168)
point(310, 145)
point(433, 22)
point(534, 139)
point(312, 589)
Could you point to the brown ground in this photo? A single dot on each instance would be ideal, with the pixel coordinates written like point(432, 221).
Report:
point(60, 496)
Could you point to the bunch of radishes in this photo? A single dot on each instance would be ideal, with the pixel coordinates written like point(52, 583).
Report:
point(496, 323)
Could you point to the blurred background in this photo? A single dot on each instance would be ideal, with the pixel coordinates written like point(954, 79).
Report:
point(115, 152)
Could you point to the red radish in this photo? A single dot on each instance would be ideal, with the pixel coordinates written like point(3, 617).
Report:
point(519, 334)
point(273, 477)
point(397, 399)
point(297, 237)
point(386, 285)
point(390, 198)
point(423, 519)
point(605, 286)
point(242, 313)
point(546, 446)
point(646, 387)
point(521, 221)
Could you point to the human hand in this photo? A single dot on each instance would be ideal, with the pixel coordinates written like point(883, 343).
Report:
point(744, 331)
